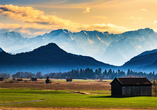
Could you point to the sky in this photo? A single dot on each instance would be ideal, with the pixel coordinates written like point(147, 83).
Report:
point(36, 17)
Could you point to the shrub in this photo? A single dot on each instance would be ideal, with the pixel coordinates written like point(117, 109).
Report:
point(154, 83)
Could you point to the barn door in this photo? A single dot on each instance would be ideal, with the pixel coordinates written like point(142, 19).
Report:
point(129, 91)
point(123, 91)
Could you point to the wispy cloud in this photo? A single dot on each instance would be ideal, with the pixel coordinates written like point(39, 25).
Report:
point(155, 22)
point(31, 15)
point(101, 17)
point(87, 10)
point(136, 18)
point(134, 22)
point(144, 10)
point(70, 3)
point(108, 27)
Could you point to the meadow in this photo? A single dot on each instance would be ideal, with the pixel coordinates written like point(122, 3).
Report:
point(46, 97)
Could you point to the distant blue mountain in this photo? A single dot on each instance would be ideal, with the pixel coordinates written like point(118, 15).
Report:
point(151, 67)
point(48, 58)
point(148, 52)
point(130, 44)
point(1, 50)
point(111, 48)
point(144, 61)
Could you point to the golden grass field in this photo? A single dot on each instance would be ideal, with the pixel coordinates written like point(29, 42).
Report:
point(58, 84)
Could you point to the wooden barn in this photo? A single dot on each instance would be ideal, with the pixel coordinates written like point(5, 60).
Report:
point(33, 79)
point(131, 87)
point(1, 79)
point(19, 79)
point(69, 79)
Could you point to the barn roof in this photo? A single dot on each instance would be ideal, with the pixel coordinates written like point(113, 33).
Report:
point(133, 81)
point(33, 78)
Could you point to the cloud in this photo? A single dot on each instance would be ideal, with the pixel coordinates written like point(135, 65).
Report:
point(136, 18)
point(87, 10)
point(108, 27)
point(79, 4)
point(37, 29)
point(155, 30)
point(144, 10)
point(100, 17)
point(31, 15)
point(25, 29)
point(155, 22)
point(35, 22)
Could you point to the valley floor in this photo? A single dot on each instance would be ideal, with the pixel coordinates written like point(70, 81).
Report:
point(62, 95)
point(76, 84)
point(65, 109)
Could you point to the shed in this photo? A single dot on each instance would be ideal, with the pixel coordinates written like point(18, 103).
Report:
point(19, 79)
point(131, 87)
point(33, 79)
point(69, 79)
point(1, 79)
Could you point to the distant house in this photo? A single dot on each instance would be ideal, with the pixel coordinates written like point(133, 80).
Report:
point(33, 79)
point(131, 87)
point(69, 79)
point(19, 79)
point(1, 79)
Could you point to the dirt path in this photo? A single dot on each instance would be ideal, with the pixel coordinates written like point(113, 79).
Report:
point(64, 109)
point(21, 102)
point(79, 92)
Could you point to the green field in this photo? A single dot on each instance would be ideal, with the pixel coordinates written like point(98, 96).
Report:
point(65, 99)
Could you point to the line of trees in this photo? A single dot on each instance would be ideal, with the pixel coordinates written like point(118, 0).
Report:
point(84, 74)
point(5, 75)
point(99, 74)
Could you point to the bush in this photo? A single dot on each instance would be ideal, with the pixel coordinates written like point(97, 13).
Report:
point(154, 83)
point(47, 80)
point(155, 89)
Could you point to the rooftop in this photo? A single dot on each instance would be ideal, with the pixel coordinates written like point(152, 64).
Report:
point(133, 81)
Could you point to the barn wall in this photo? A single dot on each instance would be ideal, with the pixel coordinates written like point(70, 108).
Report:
point(34, 79)
point(126, 90)
point(1, 79)
point(116, 89)
point(136, 90)
point(146, 90)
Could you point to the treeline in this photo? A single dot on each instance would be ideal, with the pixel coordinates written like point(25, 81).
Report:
point(74, 74)
point(4, 75)
point(84, 74)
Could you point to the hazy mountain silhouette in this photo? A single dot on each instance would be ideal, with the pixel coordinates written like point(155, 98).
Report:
point(151, 67)
point(148, 52)
point(48, 58)
point(131, 44)
point(103, 46)
point(144, 61)
point(1, 50)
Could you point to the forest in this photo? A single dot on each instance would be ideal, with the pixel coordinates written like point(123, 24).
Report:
point(83, 74)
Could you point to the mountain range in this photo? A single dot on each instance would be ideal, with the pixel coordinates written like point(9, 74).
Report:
point(1, 50)
point(115, 49)
point(48, 58)
point(51, 58)
point(146, 61)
